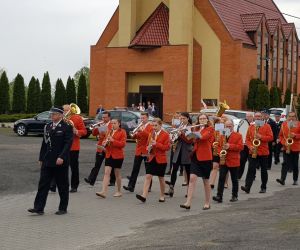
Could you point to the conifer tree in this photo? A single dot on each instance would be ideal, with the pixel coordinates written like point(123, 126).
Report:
point(262, 97)
point(18, 104)
point(252, 93)
point(4, 94)
point(287, 97)
point(70, 91)
point(60, 93)
point(46, 101)
point(82, 94)
point(37, 96)
point(31, 103)
point(274, 97)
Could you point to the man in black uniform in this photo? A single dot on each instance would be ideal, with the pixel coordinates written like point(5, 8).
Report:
point(54, 161)
point(277, 146)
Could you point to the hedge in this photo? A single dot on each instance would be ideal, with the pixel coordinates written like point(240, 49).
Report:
point(14, 117)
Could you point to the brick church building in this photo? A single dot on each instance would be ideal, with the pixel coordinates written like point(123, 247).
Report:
point(176, 52)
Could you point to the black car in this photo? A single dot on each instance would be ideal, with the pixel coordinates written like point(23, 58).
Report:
point(129, 119)
point(36, 124)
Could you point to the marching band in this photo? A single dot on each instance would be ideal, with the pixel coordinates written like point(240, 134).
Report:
point(202, 149)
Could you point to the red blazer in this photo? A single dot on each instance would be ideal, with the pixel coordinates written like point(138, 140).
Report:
point(79, 125)
point(267, 136)
point(101, 136)
point(142, 140)
point(236, 145)
point(283, 134)
point(159, 150)
point(202, 146)
point(115, 149)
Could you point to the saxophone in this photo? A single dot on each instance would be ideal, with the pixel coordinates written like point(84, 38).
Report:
point(223, 152)
point(255, 142)
point(289, 140)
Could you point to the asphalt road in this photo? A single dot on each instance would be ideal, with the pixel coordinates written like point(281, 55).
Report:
point(19, 168)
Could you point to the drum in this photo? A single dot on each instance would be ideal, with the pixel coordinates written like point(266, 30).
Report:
point(242, 128)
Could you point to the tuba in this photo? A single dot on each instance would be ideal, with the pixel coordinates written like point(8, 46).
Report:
point(222, 107)
point(74, 109)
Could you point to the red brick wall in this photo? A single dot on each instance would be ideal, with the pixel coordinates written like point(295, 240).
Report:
point(197, 63)
point(110, 65)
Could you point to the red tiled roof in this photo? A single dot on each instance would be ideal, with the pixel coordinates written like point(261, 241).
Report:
point(272, 25)
point(230, 12)
point(155, 31)
point(287, 29)
point(251, 21)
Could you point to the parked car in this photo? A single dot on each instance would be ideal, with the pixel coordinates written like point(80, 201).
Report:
point(282, 112)
point(36, 124)
point(129, 119)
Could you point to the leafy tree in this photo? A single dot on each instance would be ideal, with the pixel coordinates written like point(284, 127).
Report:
point(4, 94)
point(274, 97)
point(84, 70)
point(252, 93)
point(31, 102)
point(37, 96)
point(287, 97)
point(60, 93)
point(262, 97)
point(46, 102)
point(70, 91)
point(18, 104)
point(82, 94)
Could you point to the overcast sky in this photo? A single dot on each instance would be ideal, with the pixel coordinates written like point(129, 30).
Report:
point(55, 35)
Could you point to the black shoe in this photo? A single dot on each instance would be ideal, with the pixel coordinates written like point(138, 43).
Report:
point(130, 189)
point(247, 190)
point(60, 212)
point(53, 189)
point(111, 184)
point(206, 208)
point(280, 181)
point(34, 211)
point(162, 200)
point(185, 206)
point(168, 183)
point(128, 177)
point(276, 162)
point(218, 198)
point(262, 191)
point(87, 180)
point(233, 199)
point(184, 184)
point(73, 190)
point(170, 192)
point(295, 183)
point(141, 198)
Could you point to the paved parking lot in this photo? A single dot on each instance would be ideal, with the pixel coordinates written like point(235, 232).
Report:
point(257, 221)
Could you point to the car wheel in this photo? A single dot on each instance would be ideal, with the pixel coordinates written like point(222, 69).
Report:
point(21, 130)
point(87, 135)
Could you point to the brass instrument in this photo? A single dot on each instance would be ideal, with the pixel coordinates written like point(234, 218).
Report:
point(289, 140)
point(255, 143)
point(151, 138)
point(132, 133)
point(101, 123)
point(74, 109)
point(106, 141)
point(223, 152)
point(216, 143)
point(222, 107)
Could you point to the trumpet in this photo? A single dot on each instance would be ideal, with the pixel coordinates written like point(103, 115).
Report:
point(223, 152)
point(255, 142)
point(101, 123)
point(289, 140)
point(106, 141)
point(133, 132)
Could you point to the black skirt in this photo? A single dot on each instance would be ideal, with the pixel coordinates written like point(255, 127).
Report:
point(201, 168)
point(113, 163)
point(156, 169)
point(216, 159)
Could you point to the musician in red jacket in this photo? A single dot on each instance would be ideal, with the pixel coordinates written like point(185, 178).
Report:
point(260, 133)
point(141, 135)
point(100, 131)
point(158, 145)
point(232, 143)
point(201, 164)
point(290, 129)
point(79, 130)
point(113, 144)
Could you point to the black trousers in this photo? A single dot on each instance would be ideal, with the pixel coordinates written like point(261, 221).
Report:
point(262, 162)
point(277, 149)
point(243, 160)
point(176, 167)
point(270, 156)
point(290, 162)
point(138, 159)
point(61, 176)
point(234, 179)
point(74, 164)
point(95, 170)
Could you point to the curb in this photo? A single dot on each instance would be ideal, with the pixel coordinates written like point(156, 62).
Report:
point(6, 125)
